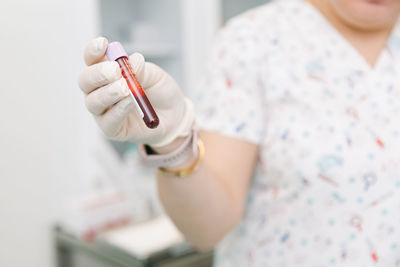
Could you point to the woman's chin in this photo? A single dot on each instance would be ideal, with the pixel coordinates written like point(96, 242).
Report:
point(368, 14)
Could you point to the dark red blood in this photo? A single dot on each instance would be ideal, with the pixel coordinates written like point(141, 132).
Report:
point(150, 117)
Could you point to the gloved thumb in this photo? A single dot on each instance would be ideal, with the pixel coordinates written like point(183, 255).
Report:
point(95, 51)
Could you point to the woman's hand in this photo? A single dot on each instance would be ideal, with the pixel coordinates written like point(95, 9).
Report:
point(107, 98)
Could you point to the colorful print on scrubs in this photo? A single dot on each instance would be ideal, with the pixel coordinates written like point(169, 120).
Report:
point(326, 189)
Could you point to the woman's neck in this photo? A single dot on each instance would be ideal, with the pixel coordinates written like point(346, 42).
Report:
point(369, 44)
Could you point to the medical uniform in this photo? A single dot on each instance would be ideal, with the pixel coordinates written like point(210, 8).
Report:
point(326, 188)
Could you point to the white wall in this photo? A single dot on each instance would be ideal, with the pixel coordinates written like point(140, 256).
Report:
point(44, 128)
point(46, 135)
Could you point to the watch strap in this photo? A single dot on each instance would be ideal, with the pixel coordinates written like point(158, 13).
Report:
point(175, 158)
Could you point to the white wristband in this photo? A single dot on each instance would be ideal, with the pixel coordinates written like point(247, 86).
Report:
point(175, 158)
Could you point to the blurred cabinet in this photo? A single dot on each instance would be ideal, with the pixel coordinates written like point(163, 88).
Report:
point(175, 34)
point(73, 252)
point(232, 8)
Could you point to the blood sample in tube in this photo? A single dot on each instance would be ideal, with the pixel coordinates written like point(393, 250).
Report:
point(116, 52)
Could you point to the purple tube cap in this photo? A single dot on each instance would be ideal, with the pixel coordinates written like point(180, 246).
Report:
point(115, 51)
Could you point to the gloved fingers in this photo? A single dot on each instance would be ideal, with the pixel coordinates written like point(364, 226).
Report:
point(95, 51)
point(147, 73)
point(160, 87)
point(104, 97)
point(113, 120)
point(98, 75)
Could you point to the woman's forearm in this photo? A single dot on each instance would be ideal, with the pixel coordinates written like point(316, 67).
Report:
point(208, 203)
point(201, 205)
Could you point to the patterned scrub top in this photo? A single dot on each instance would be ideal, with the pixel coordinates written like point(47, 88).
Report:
point(326, 188)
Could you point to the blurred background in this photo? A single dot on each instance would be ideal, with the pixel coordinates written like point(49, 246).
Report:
point(68, 197)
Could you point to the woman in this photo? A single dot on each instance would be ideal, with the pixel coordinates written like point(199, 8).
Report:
point(299, 119)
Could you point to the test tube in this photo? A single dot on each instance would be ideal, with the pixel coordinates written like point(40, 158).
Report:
point(115, 52)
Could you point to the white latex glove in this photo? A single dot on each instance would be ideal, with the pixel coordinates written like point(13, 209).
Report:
point(107, 98)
